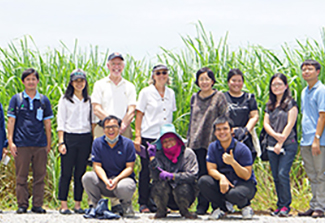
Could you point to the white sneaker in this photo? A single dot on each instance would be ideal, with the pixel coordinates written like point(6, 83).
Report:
point(217, 214)
point(230, 207)
point(247, 212)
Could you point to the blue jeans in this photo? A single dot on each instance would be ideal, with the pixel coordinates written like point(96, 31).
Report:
point(281, 166)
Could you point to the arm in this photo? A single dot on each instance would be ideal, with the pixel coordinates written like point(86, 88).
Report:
point(223, 181)
point(101, 174)
point(315, 147)
point(47, 124)
point(278, 136)
point(253, 119)
point(138, 121)
point(242, 172)
point(99, 111)
point(190, 168)
point(62, 148)
point(125, 173)
point(127, 119)
point(11, 144)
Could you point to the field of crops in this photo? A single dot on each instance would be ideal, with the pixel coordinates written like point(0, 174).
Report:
point(258, 64)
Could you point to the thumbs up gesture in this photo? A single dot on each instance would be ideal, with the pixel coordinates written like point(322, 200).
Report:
point(228, 158)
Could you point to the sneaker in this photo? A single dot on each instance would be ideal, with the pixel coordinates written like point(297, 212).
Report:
point(230, 207)
point(284, 212)
point(247, 212)
point(118, 209)
point(276, 212)
point(127, 210)
point(217, 214)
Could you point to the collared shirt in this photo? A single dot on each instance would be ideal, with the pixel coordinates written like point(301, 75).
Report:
point(114, 159)
point(242, 155)
point(74, 117)
point(114, 99)
point(157, 110)
point(29, 126)
point(312, 102)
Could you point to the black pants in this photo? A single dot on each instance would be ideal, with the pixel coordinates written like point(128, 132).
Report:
point(75, 160)
point(179, 198)
point(144, 177)
point(201, 154)
point(240, 195)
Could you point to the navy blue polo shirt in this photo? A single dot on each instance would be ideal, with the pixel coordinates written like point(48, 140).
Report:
point(242, 155)
point(29, 127)
point(114, 159)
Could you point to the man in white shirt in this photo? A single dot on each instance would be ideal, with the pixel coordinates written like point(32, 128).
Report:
point(113, 95)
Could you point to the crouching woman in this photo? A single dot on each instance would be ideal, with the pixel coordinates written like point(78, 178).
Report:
point(173, 169)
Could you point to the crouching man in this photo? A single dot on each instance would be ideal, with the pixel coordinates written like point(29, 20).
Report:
point(231, 178)
point(113, 159)
point(173, 168)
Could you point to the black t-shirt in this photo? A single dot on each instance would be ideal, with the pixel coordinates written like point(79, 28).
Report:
point(239, 108)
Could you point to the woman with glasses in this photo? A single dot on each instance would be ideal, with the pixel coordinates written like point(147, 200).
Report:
point(242, 109)
point(155, 107)
point(280, 124)
point(75, 126)
point(206, 105)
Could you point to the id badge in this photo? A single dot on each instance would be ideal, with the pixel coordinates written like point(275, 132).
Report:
point(39, 114)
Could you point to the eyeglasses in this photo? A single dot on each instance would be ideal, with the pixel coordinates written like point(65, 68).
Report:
point(277, 85)
point(114, 127)
point(163, 72)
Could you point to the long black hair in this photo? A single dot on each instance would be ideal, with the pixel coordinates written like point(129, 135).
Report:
point(70, 90)
point(286, 97)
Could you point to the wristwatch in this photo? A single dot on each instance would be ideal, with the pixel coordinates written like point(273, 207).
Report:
point(317, 136)
point(61, 143)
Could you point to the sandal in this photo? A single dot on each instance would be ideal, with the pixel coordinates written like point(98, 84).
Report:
point(144, 209)
point(79, 211)
point(67, 211)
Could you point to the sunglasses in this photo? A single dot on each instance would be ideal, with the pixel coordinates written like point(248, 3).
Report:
point(163, 72)
point(78, 73)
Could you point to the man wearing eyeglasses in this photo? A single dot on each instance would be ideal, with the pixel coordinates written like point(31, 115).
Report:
point(113, 159)
point(113, 95)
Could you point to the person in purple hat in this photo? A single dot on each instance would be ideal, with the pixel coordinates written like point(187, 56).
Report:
point(173, 169)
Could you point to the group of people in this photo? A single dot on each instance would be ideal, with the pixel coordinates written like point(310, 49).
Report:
point(214, 164)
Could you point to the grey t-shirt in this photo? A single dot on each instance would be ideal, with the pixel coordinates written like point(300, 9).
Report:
point(278, 120)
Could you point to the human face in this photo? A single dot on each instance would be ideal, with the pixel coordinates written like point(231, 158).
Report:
point(169, 142)
point(160, 76)
point(205, 82)
point(30, 82)
point(116, 67)
point(278, 87)
point(111, 128)
point(223, 132)
point(235, 84)
point(309, 73)
point(79, 84)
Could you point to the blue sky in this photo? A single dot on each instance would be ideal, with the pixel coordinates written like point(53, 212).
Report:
point(140, 27)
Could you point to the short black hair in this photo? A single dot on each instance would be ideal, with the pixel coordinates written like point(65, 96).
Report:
point(205, 70)
point(28, 72)
point(109, 118)
point(314, 63)
point(222, 119)
point(234, 72)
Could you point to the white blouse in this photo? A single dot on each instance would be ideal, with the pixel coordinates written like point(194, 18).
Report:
point(156, 110)
point(73, 117)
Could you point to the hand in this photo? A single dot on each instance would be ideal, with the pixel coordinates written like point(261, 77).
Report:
point(13, 150)
point(228, 158)
point(123, 128)
point(240, 133)
point(151, 150)
point(48, 149)
point(224, 184)
point(142, 152)
point(277, 148)
point(164, 175)
point(279, 137)
point(62, 149)
point(111, 184)
point(4, 151)
point(315, 148)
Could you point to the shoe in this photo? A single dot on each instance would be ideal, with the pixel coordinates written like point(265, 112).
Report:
point(118, 209)
point(230, 207)
point(79, 211)
point(128, 209)
point(190, 215)
point(217, 214)
point(0, 211)
point(66, 211)
point(159, 215)
point(21, 210)
point(309, 212)
point(318, 214)
point(247, 212)
point(276, 212)
point(284, 212)
point(144, 209)
point(38, 210)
